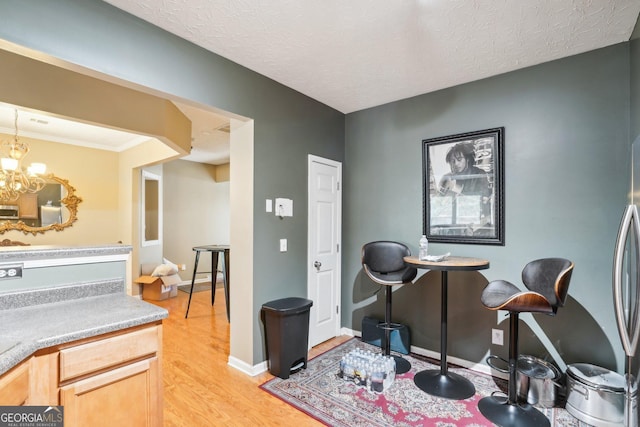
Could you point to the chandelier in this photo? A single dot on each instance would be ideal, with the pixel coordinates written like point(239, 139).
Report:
point(14, 180)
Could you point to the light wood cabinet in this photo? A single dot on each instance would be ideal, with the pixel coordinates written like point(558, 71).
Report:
point(95, 356)
point(14, 386)
point(118, 397)
point(28, 206)
point(112, 379)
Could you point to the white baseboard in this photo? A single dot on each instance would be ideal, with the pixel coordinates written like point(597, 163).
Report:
point(201, 280)
point(253, 370)
point(350, 332)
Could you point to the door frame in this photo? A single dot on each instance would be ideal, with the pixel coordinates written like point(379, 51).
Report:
point(310, 268)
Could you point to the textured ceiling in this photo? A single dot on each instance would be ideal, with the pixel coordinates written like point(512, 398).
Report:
point(356, 54)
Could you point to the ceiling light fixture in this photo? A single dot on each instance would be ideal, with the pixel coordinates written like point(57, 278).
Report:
point(14, 180)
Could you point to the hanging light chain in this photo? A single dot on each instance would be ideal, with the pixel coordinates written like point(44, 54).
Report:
point(14, 180)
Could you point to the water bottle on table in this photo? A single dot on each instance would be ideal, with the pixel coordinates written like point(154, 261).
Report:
point(424, 247)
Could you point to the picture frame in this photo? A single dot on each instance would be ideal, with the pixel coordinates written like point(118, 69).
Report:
point(463, 188)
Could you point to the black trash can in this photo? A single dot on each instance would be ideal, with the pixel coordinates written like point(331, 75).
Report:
point(286, 324)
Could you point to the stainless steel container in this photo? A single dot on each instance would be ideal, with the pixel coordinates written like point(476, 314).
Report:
point(595, 395)
point(538, 381)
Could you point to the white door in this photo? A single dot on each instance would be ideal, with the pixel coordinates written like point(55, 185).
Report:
point(323, 248)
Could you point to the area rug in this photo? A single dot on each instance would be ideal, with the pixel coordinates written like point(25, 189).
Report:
point(320, 393)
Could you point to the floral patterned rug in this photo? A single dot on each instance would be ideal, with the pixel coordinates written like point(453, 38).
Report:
point(320, 393)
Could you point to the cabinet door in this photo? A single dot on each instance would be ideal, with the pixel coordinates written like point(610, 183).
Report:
point(14, 386)
point(88, 358)
point(44, 379)
point(28, 206)
point(126, 396)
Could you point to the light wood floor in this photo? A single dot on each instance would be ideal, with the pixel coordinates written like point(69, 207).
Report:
point(200, 389)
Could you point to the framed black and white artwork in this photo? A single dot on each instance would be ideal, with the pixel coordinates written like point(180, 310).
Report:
point(463, 187)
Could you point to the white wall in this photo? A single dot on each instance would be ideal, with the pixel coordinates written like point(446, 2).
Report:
point(196, 212)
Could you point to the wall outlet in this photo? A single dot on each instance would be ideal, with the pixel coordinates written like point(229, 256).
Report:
point(283, 245)
point(182, 267)
point(497, 337)
point(11, 271)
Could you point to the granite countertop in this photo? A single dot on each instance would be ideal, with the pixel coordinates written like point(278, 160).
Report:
point(27, 329)
point(41, 317)
point(28, 253)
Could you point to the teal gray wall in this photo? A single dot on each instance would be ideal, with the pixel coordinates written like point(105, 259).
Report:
point(288, 125)
point(566, 169)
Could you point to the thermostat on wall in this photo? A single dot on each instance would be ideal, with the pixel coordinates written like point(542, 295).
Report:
point(284, 207)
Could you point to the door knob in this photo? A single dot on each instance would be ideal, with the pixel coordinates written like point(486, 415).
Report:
point(317, 265)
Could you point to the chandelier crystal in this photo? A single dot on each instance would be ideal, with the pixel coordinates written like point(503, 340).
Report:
point(14, 179)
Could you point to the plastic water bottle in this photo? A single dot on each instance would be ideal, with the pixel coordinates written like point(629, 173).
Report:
point(424, 247)
point(377, 379)
point(348, 372)
point(343, 364)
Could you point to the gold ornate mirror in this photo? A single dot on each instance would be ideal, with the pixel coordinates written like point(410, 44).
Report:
point(55, 207)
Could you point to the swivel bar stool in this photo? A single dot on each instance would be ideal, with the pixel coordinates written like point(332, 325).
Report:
point(383, 262)
point(547, 281)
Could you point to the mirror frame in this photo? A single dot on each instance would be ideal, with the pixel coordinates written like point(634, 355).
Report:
point(71, 202)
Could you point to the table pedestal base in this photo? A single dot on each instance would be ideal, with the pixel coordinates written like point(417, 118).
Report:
point(449, 385)
point(502, 413)
point(402, 365)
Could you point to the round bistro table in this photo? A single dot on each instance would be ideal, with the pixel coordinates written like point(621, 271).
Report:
point(441, 382)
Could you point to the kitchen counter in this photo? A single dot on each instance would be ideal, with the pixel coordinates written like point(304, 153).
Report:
point(37, 318)
point(28, 329)
point(60, 253)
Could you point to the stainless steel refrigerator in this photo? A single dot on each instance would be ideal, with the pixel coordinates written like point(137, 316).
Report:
point(626, 288)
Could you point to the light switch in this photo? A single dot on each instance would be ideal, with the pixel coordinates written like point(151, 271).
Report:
point(269, 205)
point(283, 245)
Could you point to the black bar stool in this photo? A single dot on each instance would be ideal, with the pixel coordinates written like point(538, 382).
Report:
point(383, 262)
point(216, 250)
point(547, 281)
